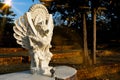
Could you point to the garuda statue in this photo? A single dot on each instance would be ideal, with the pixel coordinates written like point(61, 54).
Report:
point(33, 31)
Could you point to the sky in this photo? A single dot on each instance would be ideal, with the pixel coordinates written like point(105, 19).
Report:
point(21, 6)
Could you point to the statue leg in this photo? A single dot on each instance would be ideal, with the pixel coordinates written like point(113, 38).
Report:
point(34, 64)
point(44, 56)
point(36, 61)
point(45, 67)
point(32, 59)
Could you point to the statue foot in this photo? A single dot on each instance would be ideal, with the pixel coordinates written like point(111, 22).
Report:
point(52, 72)
point(34, 70)
point(49, 72)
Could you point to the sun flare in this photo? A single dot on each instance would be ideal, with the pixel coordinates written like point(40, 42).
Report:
point(8, 2)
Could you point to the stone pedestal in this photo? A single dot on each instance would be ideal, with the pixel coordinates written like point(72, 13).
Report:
point(61, 73)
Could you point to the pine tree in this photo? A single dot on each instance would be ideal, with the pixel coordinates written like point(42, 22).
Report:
point(6, 20)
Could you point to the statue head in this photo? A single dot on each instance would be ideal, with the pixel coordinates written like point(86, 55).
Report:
point(41, 25)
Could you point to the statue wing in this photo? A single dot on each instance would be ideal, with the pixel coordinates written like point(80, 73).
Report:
point(25, 30)
point(20, 32)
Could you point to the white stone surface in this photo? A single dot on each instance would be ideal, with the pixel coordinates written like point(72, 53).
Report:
point(33, 31)
point(61, 72)
point(24, 76)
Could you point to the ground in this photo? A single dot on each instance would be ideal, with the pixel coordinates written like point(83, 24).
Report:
point(107, 67)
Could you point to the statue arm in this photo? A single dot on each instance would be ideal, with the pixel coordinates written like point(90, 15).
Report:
point(50, 24)
point(50, 27)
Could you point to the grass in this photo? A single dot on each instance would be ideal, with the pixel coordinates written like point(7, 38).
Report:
point(14, 54)
point(13, 68)
point(107, 66)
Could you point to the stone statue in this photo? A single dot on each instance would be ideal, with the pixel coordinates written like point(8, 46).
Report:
point(33, 31)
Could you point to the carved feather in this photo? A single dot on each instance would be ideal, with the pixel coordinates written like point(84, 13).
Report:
point(18, 32)
point(22, 24)
point(17, 37)
point(18, 26)
point(19, 42)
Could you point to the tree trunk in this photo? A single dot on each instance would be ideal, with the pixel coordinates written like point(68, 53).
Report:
point(2, 26)
point(85, 47)
point(94, 36)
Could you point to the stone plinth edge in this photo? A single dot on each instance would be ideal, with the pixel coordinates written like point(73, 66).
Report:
point(61, 73)
point(65, 73)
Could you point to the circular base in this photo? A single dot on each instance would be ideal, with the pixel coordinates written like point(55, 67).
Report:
point(64, 72)
point(61, 73)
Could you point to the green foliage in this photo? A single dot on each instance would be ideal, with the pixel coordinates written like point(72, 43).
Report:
point(63, 36)
point(6, 22)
